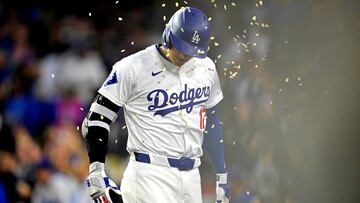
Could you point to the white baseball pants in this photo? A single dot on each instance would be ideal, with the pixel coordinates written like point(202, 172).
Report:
point(149, 183)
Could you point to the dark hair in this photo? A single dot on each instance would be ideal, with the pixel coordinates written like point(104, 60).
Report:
point(170, 43)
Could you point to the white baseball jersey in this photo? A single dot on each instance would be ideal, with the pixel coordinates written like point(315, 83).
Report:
point(164, 105)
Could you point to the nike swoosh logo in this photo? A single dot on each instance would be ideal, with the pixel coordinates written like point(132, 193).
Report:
point(154, 74)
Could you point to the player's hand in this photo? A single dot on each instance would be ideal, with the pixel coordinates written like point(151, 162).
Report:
point(222, 188)
point(100, 187)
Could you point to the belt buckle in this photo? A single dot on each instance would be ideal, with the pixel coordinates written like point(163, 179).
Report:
point(186, 163)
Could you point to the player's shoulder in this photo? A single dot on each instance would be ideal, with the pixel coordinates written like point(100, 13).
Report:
point(123, 67)
point(209, 63)
point(138, 59)
point(205, 65)
point(132, 61)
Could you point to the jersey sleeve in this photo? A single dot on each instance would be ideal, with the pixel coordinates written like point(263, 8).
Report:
point(118, 86)
point(216, 94)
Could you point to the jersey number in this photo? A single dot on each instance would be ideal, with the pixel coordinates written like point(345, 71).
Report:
point(202, 118)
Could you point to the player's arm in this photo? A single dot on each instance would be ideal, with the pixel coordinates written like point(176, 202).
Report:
point(96, 129)
point(112, 95)
point(213, 145)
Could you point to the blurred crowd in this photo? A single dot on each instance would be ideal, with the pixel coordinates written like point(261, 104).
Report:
point(51, 64)
point(54, 58)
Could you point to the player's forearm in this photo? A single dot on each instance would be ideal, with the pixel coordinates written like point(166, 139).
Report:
point(97, 144)
point(96, 127)
point(213, 143)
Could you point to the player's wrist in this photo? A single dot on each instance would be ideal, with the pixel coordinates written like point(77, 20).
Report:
point(96, 166)
point(222, 188)
point(222, 178)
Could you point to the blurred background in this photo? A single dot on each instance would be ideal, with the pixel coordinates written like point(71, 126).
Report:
point(289, 70)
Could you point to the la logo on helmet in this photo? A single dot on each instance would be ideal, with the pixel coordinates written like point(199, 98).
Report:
point(196, 37)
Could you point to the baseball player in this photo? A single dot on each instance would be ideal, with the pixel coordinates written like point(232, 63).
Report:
point(169, 94)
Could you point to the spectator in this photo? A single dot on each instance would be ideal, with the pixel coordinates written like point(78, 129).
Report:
point(16, 190)
point(82, 70)
point(54, 186)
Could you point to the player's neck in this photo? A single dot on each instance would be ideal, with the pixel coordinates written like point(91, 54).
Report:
point(165, 52)
point(175, 57)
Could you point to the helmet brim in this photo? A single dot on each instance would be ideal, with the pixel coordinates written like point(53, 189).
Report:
point(186, 48)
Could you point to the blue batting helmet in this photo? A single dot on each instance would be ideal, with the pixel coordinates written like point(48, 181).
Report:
point(188, 31)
